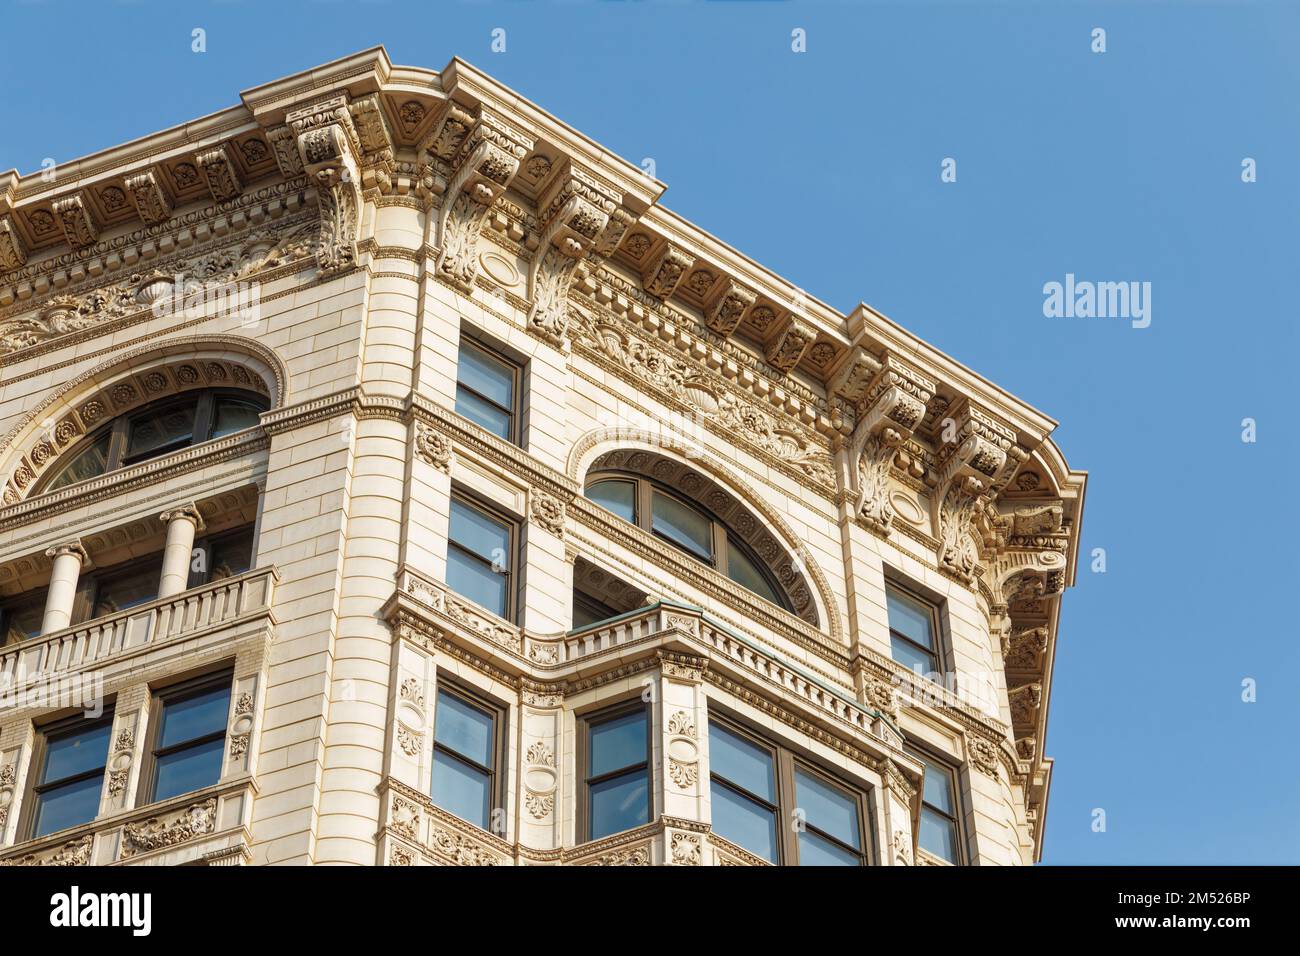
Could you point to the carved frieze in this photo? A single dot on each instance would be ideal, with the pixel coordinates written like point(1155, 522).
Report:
point(167, 830)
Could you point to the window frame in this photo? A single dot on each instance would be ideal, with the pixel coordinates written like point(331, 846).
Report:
point(512, 523)
point(926, 755)
point(38, 597)
point(118, 429)
point(939, 653)
point(40, 749)
point(586, 722)
point(723, 536)
point(159, 698)
point(785, 763)
point(496, 775)
point(516, 369)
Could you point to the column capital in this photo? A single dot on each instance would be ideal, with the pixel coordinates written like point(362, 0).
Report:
point(188, 510)
point(69, 547)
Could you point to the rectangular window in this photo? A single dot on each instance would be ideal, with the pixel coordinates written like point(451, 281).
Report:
point(221, 556)
point(71, 780)
point(939, 835)
point(466, 742)
point(189, 742)
point(487, 390)
point(913, 632)
point(21, 617)
point(772, 803)
point(480, 555)
point(616, 770)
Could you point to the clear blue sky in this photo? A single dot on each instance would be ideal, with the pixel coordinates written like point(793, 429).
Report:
point(824, 166)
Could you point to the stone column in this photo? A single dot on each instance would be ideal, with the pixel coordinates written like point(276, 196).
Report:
point(69, 559)
point(182, 524)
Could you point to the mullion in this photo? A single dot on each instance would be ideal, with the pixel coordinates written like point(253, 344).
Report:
point(452, 542)
point(620, 772)
point(509, 412)
point(458, 756)
point(847, 847)
point(64, 781)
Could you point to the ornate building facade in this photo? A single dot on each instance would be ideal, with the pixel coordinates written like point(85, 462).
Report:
point(389, 478)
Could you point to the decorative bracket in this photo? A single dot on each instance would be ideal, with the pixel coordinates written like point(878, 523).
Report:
point(377, 160)
point(973, 469)
point(149, 198)
point(581, 214)
point(220, 172)
point(13, 252)
point(485, 162)
point(890, 407)
point(328, 147)
point(728, 307)
point(78, 225)
point(666, 270)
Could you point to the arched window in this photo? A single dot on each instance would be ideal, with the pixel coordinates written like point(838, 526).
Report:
point(673, 517)
point(159, 428)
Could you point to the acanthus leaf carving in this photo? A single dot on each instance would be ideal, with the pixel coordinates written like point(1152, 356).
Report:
point(328, 148)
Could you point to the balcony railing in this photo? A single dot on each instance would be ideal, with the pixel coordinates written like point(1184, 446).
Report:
point(183, 616)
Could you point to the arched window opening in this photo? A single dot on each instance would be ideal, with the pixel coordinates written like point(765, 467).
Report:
point(695, 515)
point(157, 429)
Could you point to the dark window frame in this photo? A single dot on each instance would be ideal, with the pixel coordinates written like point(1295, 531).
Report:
point(515, 412)
point(12, 604)
point(496, 777)
point(119, 429)
point(939, 653)
point(513, 581)
point(40, 749)
point(785, 763)
point(161, 697)
point(723, 536)
point(953, 772)
point(594, 718)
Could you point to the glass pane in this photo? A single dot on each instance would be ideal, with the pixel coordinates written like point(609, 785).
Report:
point(68, 806)
point(618, 496)
point(190, 769)
point(617, 743)
point(483, 413)
point(477, 533)
point(231, 556)
point(910, 617)
point(620, 803)
point(77, 752)
point(938, 835)
point(461, 727)
point(487, 375)
point(194, 716)
point(682, 525)
point(124, 591)
point(153, 431)
point(815, 850)
point(744, 822)
point(828, 808)
point(586, 611)
point(912, 657)
point(938, 787)
point(746, 573)
point(89, 463)
point(475, 580)
point(233, 415)
point(22, 621)
point(741, 761)
point(461, 789)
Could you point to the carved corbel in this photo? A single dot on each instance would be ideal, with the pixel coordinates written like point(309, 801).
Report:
point(851, 380)
point(151, 201)
point(889, 409)
point(1023, 649)
point(1025, 701)
point(284, 144)
point(728, 307)
point(973, 461)
point(790, 344)
point(13, 252)
point(221, 173)
point(328, 148)
point(78, 225)
point(580, 214)
point(666, 270)
point(485, 163)
point(377, 160)
point(439, 147)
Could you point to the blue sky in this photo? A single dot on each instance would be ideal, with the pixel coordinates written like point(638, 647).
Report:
point(824, 166)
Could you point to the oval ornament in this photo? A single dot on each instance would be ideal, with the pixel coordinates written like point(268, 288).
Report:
point(499, 268)
point(906, 508)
